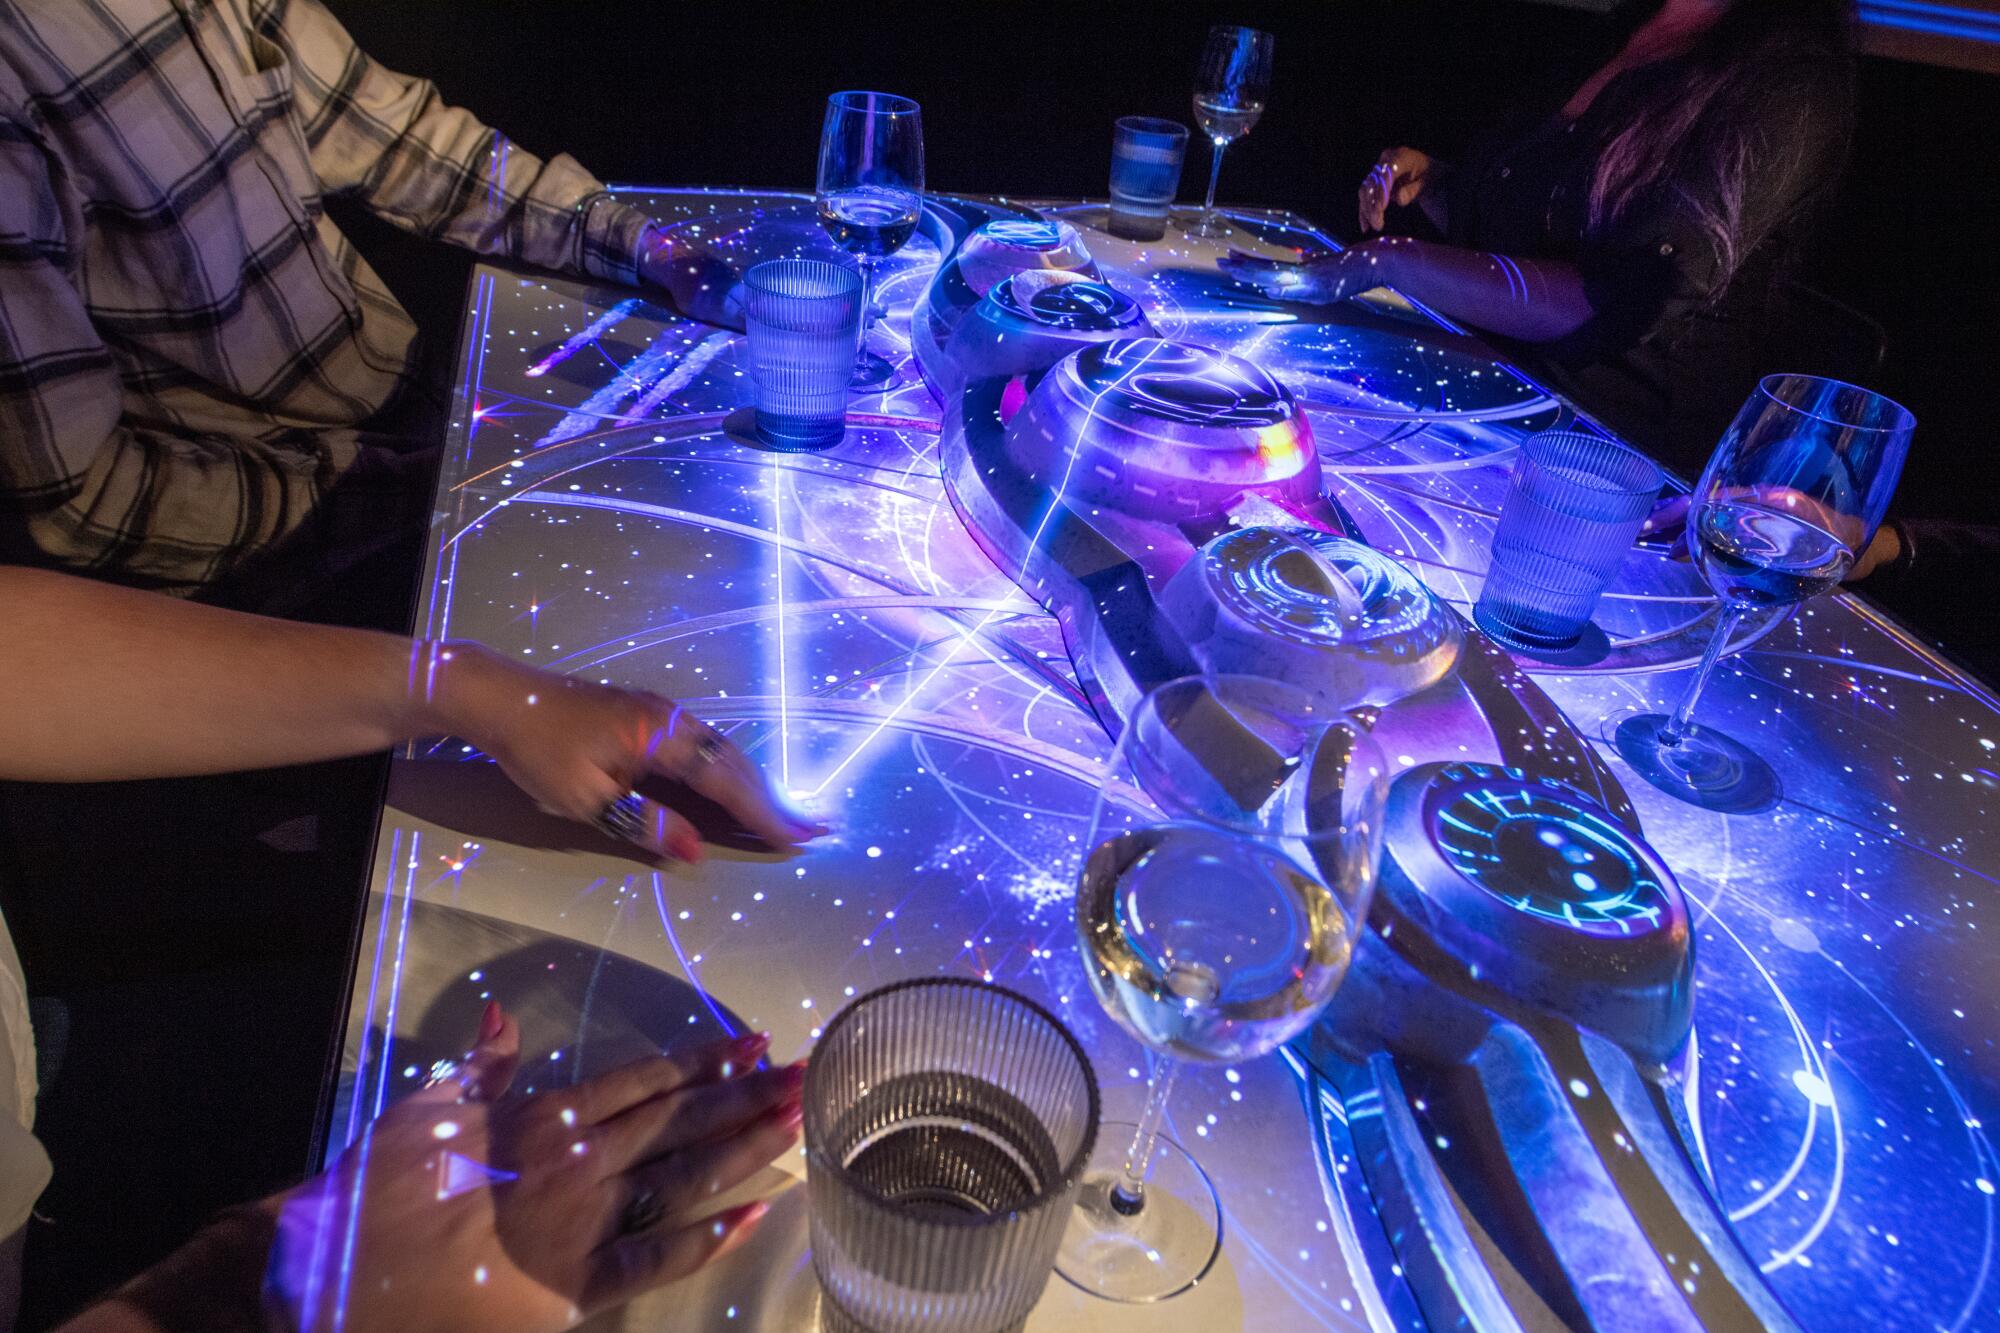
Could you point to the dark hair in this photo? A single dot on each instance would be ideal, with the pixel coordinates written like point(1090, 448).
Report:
point(1696, 137)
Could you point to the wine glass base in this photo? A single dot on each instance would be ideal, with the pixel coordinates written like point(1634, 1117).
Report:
point(871, 372)
point(1707, 768)
point(1208, 228)
point(1164, 1249)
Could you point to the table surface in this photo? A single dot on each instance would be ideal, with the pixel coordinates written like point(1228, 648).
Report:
point(595, 515)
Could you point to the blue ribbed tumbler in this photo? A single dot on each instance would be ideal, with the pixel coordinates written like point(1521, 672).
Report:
point(1146, 158)
point(947, 1126)
point(804, 319)
point(1571, 513)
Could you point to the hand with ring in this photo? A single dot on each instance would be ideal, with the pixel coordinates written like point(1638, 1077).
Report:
point(1322, 281)
point(471, 1211)
point(580, 749)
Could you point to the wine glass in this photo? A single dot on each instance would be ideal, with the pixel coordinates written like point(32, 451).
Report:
point(1230, 86)
point(870, 193)
point(1233, 850)
point(1787, 504)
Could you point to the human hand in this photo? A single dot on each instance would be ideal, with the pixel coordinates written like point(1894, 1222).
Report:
point(1399, 177)
point(579, 749)
point(702, 286)
point(460, 1211)
point(1665, 528)
point(1321, 281)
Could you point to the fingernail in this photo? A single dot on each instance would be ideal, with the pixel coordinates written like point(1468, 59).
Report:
point(791, 1116)
point(491, 1021)
point(686, 844)
point(750, 1047)
point(793, 1075)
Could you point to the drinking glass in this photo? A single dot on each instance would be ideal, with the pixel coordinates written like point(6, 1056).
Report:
point(1573, 506)
point(1233, 851)
point(1787, 504)
point(1146, 157)
point(947, 1123)
point(870, 193)
point(803, 317)
point(1230, 86)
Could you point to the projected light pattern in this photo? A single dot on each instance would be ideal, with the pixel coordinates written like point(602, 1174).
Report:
point(1316, 588)
point(1043, 298)
point(831, 614)
point(1550, 857)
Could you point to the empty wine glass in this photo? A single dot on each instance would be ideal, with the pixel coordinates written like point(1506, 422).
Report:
point(1230, 86)
point(870, 193)
point(1787, 504)
point(1233, 851)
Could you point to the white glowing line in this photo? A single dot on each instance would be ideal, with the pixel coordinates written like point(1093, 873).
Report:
point(1818, 1068)
point(784, 689)
point(967, 636)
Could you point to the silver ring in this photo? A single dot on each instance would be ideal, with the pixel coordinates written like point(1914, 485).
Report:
point(450, 1071)
point(643, 1212)
point(624, 818)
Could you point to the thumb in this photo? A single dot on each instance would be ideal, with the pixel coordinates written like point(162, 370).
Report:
point(487, 1069)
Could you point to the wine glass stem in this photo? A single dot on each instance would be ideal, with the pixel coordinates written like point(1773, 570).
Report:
point(1214, 175)
point(1682, 720)
point(1128, 1196)
point(867, 263)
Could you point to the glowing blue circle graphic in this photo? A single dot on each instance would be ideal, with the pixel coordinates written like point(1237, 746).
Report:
point(1549, 855)
point(1027, 234)
point(1055, 300)
point(1313, 587)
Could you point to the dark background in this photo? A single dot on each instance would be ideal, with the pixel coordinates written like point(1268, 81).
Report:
point(218, 983)
point(1020, 98)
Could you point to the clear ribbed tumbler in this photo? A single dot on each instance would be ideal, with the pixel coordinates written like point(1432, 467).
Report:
point(1571, 513)
point(804, 320)
point(947, 1126)
point(1146, 157)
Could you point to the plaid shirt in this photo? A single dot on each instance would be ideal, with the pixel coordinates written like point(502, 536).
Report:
point(187, 344)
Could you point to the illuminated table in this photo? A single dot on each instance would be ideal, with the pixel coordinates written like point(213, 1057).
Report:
point(596, 515)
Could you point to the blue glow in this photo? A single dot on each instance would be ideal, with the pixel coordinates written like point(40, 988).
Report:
point(1970, 25)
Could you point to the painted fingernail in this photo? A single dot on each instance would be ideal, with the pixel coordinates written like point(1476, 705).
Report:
point(749, 1048)
point(686, 844)
point(791, 1116)
point(491, 1021)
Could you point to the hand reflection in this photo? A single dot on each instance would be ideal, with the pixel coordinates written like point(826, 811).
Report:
point(465, 1210)
point(1321, 281)
point(703, 286)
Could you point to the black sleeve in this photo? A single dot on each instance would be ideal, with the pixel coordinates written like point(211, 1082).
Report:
point(1660, 261)
point(1947, 585)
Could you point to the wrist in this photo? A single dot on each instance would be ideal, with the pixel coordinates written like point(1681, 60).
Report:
point(1380, 259)
point(452, 685)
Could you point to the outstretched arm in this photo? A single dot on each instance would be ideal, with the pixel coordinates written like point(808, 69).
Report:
point(1535, 300)
point(102, 683)
point(434, 169)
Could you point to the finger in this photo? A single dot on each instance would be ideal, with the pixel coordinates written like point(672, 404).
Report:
point(598, 1099)
point(1668, 516)
point(487, 1069)
point(1384, 185)
point(684, 1181)
point(630, 1265)
point(694, 1115)
point(666, 833)
point(1237, 261)
point(736, 784)
point(1407, 189)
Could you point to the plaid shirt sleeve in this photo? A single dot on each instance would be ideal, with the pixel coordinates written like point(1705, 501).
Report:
point(434, 169)
point(147, 504)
